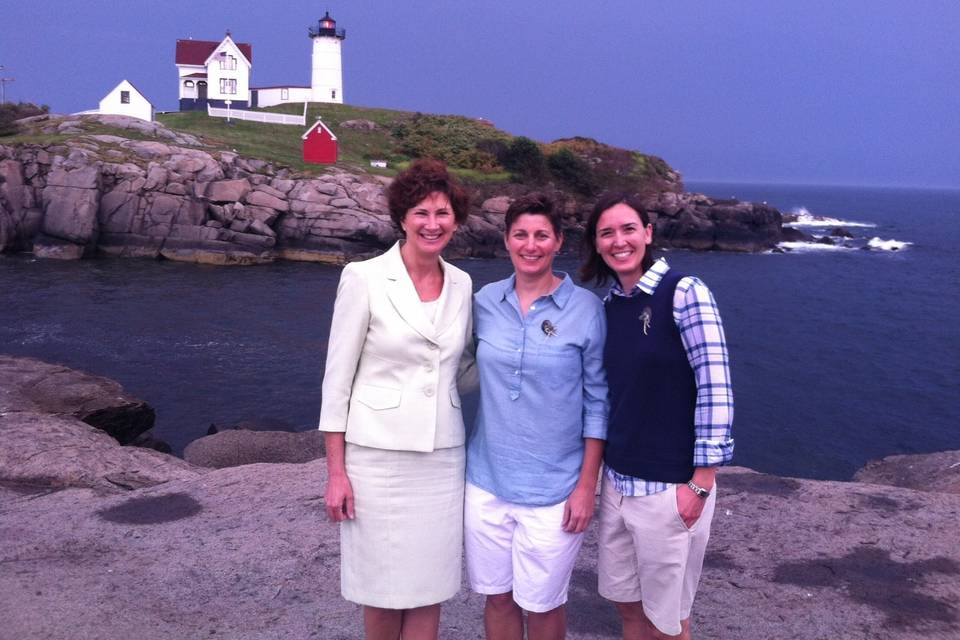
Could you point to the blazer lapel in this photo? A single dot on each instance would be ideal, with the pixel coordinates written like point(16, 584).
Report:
point(403, 295)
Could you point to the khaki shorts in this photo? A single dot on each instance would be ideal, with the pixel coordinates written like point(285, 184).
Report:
point(512, 547)
point(647, 554)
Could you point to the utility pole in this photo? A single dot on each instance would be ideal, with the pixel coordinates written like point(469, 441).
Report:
point(3, 86)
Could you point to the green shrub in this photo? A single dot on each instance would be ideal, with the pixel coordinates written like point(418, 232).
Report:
point(525, 159)
point(9, 112)
point(573, 171)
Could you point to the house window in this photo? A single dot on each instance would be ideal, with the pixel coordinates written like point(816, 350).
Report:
point(333, 94)
point(228, 86)
point(284, 94)
point(188, 83)
point(228, 63)
point(124, 97)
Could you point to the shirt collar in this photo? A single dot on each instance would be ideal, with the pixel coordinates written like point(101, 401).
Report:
point(560, 295)
point(647, 284)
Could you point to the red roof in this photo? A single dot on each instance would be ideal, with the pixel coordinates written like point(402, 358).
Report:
point(195, 75)
point(197, 51)
point(318, 123)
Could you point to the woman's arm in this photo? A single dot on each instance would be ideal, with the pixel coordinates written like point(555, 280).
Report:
point(578, 511)
point(348, 332)
point(468, 376)
point(701, 332)
point(579, 508)
point(339, 494)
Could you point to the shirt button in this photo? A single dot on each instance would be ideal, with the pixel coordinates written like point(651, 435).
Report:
point(428, 392)
point(429, 367)
point(517, 372)
point(533, 307)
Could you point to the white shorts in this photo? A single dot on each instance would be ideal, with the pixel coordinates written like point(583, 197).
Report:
point(520, 548)
point(647, 554)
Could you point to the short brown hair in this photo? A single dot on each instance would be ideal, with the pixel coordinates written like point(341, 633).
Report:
point(536, 203)
point(593, 267)
point(419, 180)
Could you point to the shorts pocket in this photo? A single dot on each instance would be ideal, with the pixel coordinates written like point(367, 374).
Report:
point(672, 493)
point(377, 398)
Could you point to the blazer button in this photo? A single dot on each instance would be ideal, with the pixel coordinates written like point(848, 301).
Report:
point(428, 391)
point(432, 347)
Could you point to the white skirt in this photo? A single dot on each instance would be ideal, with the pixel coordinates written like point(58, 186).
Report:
point(404, 548)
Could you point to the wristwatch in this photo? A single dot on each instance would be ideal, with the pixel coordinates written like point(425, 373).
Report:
point(697, 489)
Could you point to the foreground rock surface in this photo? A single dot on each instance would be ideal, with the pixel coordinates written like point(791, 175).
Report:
point(174, 198)
point(937, 472)
point(245, 552)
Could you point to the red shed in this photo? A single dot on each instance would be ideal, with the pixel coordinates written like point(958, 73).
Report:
point(319, 144)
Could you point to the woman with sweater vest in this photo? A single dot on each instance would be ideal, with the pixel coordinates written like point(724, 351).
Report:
point(671, 410)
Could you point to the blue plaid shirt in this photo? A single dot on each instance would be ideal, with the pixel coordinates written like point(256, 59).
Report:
point(696, 315)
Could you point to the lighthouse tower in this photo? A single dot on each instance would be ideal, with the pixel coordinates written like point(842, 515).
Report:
point(326, 82)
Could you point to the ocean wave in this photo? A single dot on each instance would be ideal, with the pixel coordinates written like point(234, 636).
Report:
point(887, 245)
point(806, 219)
point(803, 247)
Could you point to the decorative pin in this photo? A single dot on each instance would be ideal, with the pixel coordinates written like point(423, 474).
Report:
point(646, 317)
point(548, 329)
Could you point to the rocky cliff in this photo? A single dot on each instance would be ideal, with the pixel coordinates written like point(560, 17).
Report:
point(106, 541)
point(117, 186)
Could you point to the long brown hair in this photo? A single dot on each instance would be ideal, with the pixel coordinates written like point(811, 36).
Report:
point(593, 267)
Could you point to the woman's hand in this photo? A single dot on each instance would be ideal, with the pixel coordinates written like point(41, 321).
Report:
point(689, 505)
point(339, 498)
point(578, 510)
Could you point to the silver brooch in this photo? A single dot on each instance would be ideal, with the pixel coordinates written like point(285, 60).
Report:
point(645, 318)
point(548, 329)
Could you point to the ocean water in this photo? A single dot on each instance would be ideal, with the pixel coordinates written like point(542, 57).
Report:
point(839, 355)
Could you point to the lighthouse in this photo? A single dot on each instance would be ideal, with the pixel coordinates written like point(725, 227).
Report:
point(326, 82)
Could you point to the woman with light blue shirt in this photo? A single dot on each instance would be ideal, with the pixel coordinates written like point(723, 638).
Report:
point(535, 452)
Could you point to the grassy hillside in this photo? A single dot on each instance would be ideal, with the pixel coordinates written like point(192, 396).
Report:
point(477, 150)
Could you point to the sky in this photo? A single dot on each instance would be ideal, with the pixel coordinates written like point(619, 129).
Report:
point(752, 91)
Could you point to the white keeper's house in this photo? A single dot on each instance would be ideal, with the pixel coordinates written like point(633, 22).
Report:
point(212, 72)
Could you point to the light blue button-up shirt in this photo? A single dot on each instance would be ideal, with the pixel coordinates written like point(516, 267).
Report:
point(542, 391)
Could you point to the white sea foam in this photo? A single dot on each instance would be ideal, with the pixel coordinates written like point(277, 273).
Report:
point(807, 219)
point(887, 245)
point(803, 247)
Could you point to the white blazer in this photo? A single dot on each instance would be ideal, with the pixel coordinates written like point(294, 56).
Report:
point(390, 380)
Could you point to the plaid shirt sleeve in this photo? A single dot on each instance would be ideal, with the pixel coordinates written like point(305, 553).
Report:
point(701, 331)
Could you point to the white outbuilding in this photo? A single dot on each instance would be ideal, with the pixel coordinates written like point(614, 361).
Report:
point(126, 100)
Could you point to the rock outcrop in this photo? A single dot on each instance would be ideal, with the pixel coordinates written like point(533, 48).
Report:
point(936, 472)
point(107, 541)
point(236, 447)
point(38, 387)
point(171, 197)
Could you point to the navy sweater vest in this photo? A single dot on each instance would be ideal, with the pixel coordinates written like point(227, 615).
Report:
point(653, 392)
